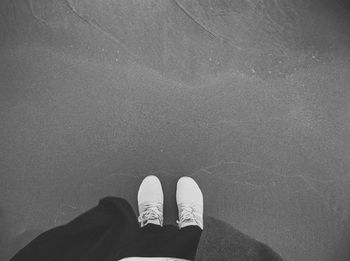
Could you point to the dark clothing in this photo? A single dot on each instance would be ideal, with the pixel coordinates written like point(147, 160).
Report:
point(166, 241)
point(104, 232)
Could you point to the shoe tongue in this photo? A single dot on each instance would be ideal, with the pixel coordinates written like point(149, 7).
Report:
point(144, 206)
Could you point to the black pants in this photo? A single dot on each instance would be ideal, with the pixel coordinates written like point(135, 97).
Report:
point(166, 241)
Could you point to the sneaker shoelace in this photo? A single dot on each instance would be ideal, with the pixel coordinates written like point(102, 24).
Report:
point(153, 211)
point(188, 214)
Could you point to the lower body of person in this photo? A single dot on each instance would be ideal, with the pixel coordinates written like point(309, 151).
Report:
point(154, 239)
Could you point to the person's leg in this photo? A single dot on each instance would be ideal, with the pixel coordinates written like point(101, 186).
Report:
point(171, 241)
point(186, 242)
point(156, 240)
point(150, 205)
point(153, 241)
point(189, 200)
point(167, 241)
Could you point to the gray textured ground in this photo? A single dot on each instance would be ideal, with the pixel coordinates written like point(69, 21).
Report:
point(251, 98)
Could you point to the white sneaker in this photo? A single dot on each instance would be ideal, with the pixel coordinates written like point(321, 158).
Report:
point(189, 200)
point(150, 201)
